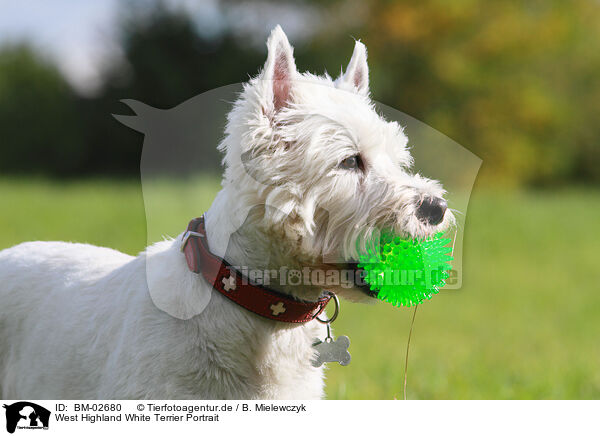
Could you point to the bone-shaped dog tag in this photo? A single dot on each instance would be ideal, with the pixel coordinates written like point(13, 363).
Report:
point(332, 351)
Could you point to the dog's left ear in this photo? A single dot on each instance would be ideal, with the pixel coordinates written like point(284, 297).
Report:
point(279, 71)
point(357, 72)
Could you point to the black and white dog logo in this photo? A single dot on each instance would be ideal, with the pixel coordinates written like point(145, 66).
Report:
point(25, 415)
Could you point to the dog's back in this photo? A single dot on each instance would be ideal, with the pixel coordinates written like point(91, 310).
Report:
point(38, 281)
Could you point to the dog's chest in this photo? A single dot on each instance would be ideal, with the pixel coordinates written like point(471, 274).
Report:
point(285, 369)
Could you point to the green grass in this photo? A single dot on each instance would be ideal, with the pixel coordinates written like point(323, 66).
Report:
point(526, 323)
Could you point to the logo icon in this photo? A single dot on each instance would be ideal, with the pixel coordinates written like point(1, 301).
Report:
point(25, 415)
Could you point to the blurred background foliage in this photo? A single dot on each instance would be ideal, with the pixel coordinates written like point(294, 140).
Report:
point(514, 82)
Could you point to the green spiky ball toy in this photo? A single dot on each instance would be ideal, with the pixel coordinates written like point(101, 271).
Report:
point(405, 272)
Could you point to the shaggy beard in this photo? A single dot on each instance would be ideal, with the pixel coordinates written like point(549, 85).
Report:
point(356, 226)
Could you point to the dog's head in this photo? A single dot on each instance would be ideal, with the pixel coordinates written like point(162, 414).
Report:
point(330, 170)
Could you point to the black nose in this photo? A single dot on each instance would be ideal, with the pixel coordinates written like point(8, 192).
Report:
point(432, 210)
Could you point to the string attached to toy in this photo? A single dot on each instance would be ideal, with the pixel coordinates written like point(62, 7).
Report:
point(406, 272)
point(412, 323)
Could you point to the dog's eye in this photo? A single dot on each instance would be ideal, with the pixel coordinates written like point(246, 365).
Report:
point(350, 163)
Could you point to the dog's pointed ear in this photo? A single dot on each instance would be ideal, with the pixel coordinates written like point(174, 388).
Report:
point(279, 71)
point(357, 72)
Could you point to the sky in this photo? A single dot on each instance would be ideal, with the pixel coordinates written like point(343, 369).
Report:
point(74, 33)
point(79, 35)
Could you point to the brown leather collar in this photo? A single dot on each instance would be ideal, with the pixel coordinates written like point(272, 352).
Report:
point(237, 287)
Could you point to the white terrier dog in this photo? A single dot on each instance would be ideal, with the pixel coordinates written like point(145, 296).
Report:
point(311, 169)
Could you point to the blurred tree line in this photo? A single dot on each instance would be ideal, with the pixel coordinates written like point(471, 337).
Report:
point(514, 82)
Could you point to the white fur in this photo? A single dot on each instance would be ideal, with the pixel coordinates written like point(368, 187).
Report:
point(77, 321)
